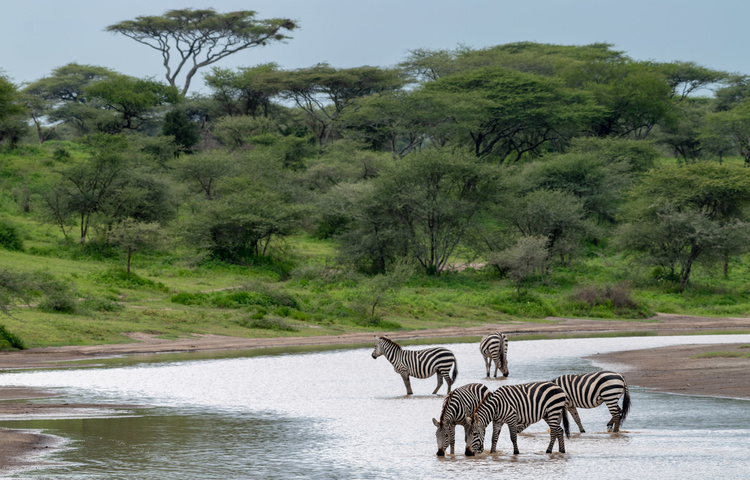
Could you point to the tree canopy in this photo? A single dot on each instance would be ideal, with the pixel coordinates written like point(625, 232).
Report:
point(192, 39)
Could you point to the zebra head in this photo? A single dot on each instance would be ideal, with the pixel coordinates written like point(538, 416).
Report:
point(443, 437)
point(475, 435)
point(378, 347)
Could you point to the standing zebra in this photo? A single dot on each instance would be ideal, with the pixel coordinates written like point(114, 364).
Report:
point(418, 363)
point(591, 390)
point(494, 346)
point(519, 406)
point(459, 404)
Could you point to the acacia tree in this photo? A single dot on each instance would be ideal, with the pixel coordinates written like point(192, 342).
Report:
point(192, 39)
point(61, 97)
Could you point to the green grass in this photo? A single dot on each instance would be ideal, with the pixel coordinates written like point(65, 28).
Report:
point(174, 294)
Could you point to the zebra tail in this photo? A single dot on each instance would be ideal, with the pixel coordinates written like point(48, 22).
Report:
point(566, 422)
point(625, 405)
point(455, 370)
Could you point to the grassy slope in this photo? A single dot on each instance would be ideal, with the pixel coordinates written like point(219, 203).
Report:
point(315, 300)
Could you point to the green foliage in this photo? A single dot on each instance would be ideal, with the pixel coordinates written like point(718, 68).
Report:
point(275, 324)
point(608, 301)
point(237, 299)
point(120, 278)
point(186, 133)
point(10, 339)
point(525, 304)
point(10, 237)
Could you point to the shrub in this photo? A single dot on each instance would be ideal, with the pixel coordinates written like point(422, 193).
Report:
point(9, 338)
point(10, 239)
point(270, 324)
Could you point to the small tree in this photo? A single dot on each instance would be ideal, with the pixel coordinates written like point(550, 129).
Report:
point(526, 258)
point(132, 235)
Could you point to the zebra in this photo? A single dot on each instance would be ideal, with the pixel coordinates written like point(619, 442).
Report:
point(460, 403)
point(519, 406)
point(590, 390)
point(494, 346)
point(418, 363)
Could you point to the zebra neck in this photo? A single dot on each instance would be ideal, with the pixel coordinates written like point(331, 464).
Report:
point(392, 352)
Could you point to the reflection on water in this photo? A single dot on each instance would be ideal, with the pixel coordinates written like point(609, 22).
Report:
point(341, 414)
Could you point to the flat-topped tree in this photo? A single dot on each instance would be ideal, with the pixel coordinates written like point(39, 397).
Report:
point(192, 39)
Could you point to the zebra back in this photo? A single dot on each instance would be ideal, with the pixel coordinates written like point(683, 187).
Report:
point(461, 402)
point(419, 363)
point(530, 402)
point(590, 390)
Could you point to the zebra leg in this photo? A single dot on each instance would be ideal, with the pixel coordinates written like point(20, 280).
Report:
point(496, 428)
point(574, 412)
point(495, 369)
point(407, 383)
point(514, 438)
point(614, 422)
point(487, 365)
point(452, 433)
point(555, 434)
point(440, 384)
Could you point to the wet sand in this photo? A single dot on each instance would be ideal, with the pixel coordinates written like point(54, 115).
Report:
point(669, 369)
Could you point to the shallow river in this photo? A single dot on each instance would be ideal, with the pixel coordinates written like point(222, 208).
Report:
point(340, 414)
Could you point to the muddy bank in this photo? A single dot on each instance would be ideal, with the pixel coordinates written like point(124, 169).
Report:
point(678, 369)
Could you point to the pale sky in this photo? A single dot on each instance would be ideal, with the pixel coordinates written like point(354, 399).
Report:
point(37, 36)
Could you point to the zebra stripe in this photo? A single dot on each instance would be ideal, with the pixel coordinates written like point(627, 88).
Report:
point(591, 390)
point(418, 363)
point(494, 347)
point(519, 406)
point(459, 404)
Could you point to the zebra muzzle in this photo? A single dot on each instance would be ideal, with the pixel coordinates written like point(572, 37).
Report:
point(440, 453)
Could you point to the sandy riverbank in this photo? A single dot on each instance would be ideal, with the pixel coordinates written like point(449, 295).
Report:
point(670, 369)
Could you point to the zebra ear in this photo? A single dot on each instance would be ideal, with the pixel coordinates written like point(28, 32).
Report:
point(437, 424)
point(468, 421)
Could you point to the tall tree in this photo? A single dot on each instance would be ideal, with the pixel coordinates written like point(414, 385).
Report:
point(189, 40)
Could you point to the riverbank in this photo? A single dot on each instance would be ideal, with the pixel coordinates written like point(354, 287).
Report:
point(669, 369)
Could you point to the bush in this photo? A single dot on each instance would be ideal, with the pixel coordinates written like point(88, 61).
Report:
point(269, 324)
point(59, 301)
point(10, 239)
point(609, 300)
point(9, 338)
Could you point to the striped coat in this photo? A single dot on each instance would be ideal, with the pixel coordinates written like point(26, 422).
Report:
point(519, 406)
point(590, 390)
point(418, 363)
point(459, 404)
point(494, 347)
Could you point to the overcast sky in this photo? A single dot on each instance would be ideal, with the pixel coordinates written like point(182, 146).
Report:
point(39, 35)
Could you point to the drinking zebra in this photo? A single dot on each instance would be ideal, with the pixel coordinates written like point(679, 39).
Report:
point(459, 404)
point(591, 390)
point(494, 346)
point(418, 363)
point(519, 406)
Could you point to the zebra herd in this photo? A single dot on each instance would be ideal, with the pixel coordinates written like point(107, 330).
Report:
point(475, 406)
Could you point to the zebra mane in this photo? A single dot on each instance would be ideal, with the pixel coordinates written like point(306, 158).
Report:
point(445, 406)
point(391, 342)
point(481, 402)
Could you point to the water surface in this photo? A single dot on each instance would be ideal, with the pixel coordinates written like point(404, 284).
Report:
point(342, 415)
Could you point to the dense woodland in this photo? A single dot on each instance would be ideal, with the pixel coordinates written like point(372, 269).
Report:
point(534, 164)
